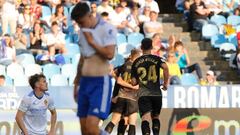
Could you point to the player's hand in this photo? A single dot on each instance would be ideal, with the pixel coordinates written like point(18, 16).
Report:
point(89, 37)
point(75, 92)
point(136, 87)
point(51, 133)
point(163, 87)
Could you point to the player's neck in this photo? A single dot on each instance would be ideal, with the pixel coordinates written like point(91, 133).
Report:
point(146, 52)
point(38, 93)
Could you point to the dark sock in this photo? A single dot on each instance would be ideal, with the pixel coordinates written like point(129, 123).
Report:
point(109, 127)
point(121, 127)
point(155, 126)
point(145, 128)
point(132, 130)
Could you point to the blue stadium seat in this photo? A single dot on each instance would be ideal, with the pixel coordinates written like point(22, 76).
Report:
point(209, 30)
point(59, 80)
point(72, 49)
point(135, 39)
point(21, 81)
point(217, 40)
point(233, 39)
point(121, 39)
point(32, 69)
point(25, 59)
point(75, 59)
point(14, 70)
point(233, 20)
point(117, 60)
point(8, 81)
point(51, 69)
point(125, 49)
point(227, 49)
point(69, 70)
point(218, 20)
point(2, 70)
point(189, 79)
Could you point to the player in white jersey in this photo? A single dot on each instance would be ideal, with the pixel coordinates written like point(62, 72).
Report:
point(97, 41)
point(31, 116)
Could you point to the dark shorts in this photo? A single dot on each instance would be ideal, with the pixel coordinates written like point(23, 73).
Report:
point(151, 104)
point(125, 106)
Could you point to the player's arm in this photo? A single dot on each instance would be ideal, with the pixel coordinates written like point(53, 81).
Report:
point(53, 121)
point(165, 75)
point(123, 83)
point(19, 120)
point(77, 78)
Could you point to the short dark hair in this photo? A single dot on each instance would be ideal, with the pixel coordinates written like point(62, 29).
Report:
point(2, 76)
point(80, 10)
point(54, 23)
point(35, 78)
point(178, 43)
point(146, 44)
point(104, 14)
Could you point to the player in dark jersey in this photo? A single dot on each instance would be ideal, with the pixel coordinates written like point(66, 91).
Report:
point(127, 97)
point(146, 73)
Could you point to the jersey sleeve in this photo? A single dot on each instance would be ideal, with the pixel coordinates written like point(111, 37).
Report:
point(51, 105)
point(111, 36)
point(24, 105)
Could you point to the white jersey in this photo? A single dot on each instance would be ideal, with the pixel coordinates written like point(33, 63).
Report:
point(104, 34)
point(35, 118)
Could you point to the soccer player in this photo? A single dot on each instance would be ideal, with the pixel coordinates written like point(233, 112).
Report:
point(97, 40)
point(127, 97)
point(31, 116)
point(145, 72)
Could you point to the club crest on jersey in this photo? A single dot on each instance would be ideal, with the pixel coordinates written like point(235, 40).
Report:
point(110, 32)
point(46, 102)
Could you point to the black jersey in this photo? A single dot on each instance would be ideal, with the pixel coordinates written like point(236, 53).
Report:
point(146, 69)
point(125, 73)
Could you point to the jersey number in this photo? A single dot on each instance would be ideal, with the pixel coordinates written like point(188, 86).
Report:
point(150, 73)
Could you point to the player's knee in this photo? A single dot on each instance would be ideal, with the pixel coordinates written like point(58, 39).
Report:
point(145, 128)
point(132, 130)
point(156, 126)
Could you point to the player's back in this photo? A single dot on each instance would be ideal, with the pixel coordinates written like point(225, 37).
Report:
point(146, 69)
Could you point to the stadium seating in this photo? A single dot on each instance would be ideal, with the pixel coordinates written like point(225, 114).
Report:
point(14, 70)
point(226, 49)
point(135, 39)
point(69, 70)
point(25, 59)
point(2, 70)
point(209, 30)
point(121, 39)
point(217, 40)
point(51, 69)
point(59, 80)
point(233, 39)
point(21, 81)
point(125, 49)
point(218, 20)
point(8, 81)
point(32, 69)
point(233, 20)
point(189, 79)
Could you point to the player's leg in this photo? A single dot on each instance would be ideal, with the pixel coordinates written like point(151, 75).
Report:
point(99, 103)
point(157, 106)
point(122, 126)
point(115, 119)
point(83, 126)
point(116, 114)
point(132, 110)
point(145, 108)
point(83, 105)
